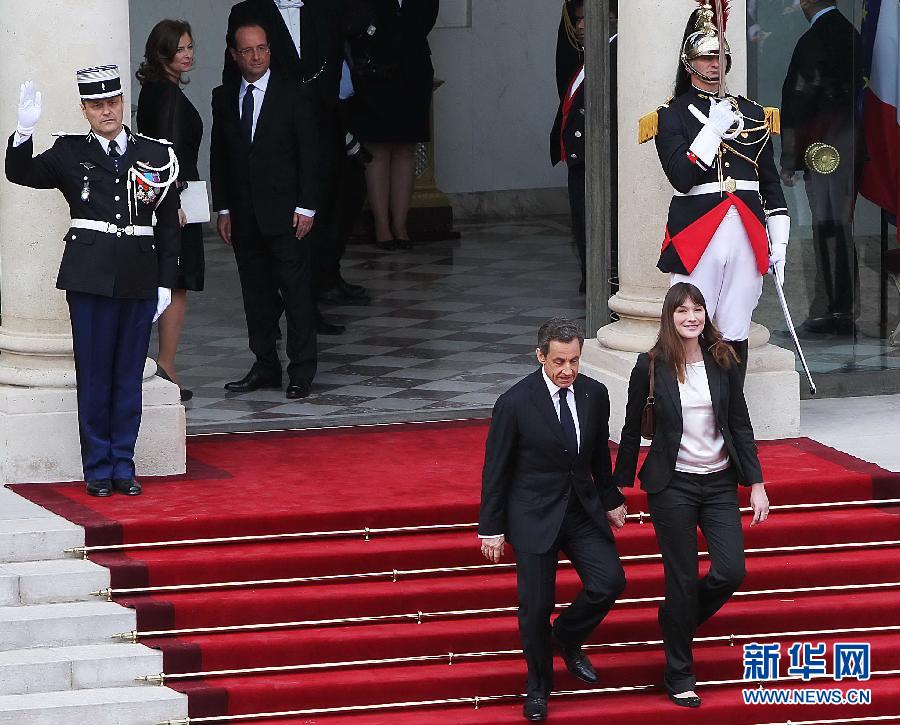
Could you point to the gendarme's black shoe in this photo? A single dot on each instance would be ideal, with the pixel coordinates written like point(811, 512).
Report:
point(535, 709)
point(576, 661)
point(128, 486)
point(689, 701)
point(297, 389)
point(352, 290)
point(253, 381)
point(99, 488)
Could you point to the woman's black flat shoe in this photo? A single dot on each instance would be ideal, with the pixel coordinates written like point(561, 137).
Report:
point(403, 243)
point(388, 245)
point(693, 701)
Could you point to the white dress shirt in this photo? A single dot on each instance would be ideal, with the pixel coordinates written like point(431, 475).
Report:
point(554, 389)
point(290, 13)
point(259, 95)
point(121, 142)
point(819, 14)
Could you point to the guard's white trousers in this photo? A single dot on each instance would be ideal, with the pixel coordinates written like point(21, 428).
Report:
point(728, 278)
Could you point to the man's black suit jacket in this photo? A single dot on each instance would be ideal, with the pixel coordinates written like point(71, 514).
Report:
point(727, 394)
point(529, 475)
point(820, 92)
point(319, 68)
point(277, 172)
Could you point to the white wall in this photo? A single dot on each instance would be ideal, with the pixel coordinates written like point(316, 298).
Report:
point(494, 113)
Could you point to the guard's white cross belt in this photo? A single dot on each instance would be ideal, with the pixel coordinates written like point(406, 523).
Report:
point(714, 188)
point(132, 230)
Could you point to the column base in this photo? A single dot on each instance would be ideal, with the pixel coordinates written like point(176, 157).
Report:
point(39, 433)
point(772, 387)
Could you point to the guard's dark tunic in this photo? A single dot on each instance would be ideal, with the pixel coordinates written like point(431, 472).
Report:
point(693, 218)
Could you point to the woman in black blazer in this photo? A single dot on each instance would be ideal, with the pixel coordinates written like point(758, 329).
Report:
point(702, 449)
point(392, 78)
point(165, 112)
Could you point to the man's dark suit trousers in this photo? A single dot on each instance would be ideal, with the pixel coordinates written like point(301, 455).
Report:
point(275, 269)
point(596, 560)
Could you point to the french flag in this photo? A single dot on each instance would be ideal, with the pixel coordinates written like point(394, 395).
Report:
point(881, 103)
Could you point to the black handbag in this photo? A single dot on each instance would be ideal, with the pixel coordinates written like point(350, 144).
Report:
point(648, 416)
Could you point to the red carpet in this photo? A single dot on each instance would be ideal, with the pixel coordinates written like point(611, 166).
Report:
point(413, 475)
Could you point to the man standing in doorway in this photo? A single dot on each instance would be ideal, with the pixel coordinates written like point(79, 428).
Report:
point(265, 186)
point(547, 486)
point(118, 267)
point(823, 139)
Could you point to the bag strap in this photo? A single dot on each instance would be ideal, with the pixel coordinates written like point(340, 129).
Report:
point(650, 397)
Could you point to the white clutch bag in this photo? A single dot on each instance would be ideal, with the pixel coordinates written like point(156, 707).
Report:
point(195, 202)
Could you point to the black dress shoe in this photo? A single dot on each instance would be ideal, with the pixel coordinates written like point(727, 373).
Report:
point(576, 661)
point(337, 296)
point(329, 328)
point(99, 488)
point(352, 290)
point(692, 701)
point(253, 381)
point(535, 709)
point(297, 389)
point(128, 486)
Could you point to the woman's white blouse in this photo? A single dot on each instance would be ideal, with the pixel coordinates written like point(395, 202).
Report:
point(702, 448)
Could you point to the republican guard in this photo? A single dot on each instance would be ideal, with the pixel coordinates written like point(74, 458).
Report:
point(728, 221)
point(119, 264)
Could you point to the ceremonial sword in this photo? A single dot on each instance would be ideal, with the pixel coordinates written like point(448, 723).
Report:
point(790, 325)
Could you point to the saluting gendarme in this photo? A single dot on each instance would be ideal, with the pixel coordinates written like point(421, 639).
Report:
point(118, 266)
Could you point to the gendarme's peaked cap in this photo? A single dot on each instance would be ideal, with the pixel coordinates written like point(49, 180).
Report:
point(102, 81)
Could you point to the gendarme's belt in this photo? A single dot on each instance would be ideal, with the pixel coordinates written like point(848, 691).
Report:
point(132, 230)
point(730, 185)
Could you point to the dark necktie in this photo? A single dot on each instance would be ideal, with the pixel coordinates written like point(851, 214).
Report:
point(114, 154)
point(567, 422)
point(247, 114)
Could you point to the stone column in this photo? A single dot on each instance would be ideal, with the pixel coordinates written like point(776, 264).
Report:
point(47, 41)
point(650, 34)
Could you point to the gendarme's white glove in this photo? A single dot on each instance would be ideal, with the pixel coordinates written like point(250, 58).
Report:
point(163, 300)
point(29, 108)
point(779, 228)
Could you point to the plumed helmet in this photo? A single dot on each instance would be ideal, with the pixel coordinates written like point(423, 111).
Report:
point(703, 40)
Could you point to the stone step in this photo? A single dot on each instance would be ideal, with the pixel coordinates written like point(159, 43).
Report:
point(54, 625)
point(46, 669)
point(37, 539)
point(103, 706)
point(61, 580)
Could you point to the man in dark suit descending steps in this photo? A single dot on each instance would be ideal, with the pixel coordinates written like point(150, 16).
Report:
point(547, 486)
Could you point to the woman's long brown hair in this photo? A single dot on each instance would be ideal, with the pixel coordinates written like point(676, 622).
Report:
point(669, 348)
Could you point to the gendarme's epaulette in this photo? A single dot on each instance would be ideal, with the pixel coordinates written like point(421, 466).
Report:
point(163, 141)
point(648, 124)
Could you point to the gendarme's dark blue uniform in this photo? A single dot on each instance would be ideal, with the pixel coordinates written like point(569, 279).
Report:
point(111, 274)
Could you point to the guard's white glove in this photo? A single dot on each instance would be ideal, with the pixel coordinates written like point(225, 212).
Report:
point(715, 127)
point(163, 300)
point(722, 116)
point(779, 228)
point(29, 109)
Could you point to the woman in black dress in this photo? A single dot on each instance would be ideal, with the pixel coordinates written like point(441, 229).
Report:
point(165, 112)
point(392, 77)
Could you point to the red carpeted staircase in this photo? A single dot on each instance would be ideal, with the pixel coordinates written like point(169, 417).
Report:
point(405, 618)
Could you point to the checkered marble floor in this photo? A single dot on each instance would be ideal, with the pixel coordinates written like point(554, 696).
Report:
point(451, 325)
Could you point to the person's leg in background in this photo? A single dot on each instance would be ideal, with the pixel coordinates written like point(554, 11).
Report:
point(403, 179)
point(378, 185)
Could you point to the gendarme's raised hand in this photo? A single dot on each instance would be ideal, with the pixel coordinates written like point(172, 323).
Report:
point(29, 110)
